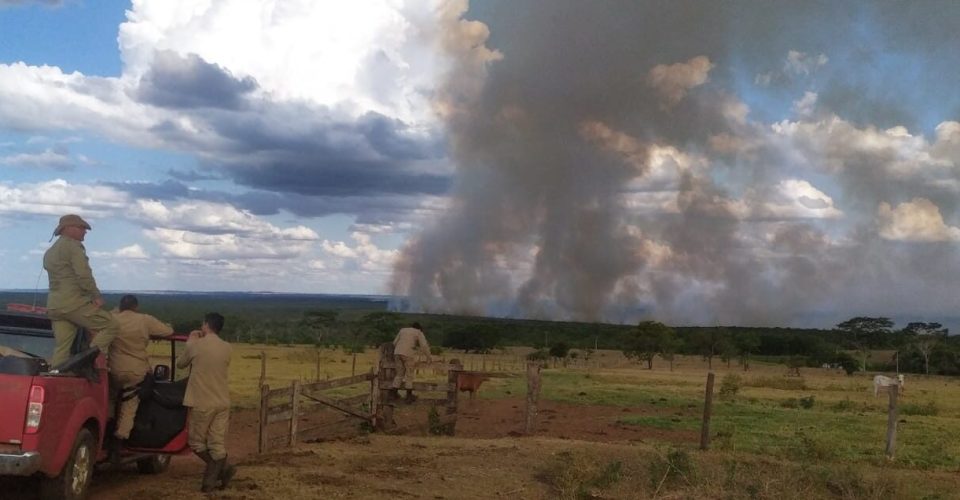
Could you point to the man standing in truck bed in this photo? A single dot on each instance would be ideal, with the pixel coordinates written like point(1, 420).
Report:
point(74, 300)
point(208, 397)
point(129, 361)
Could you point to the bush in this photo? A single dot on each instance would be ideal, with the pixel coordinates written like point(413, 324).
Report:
point(575, 476)
point(676, 467)
point(538, 355)
point(805, 403)
point(847, 362)
point(730, 385)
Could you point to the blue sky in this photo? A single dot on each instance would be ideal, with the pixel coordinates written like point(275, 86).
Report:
point(736, 162)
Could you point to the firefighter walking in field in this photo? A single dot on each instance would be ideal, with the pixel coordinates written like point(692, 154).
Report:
point(208, 398)
point(405, 346)
point(74, 300)
point(129, 361)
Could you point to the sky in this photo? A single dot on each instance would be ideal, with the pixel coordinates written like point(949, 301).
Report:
point(751, 163)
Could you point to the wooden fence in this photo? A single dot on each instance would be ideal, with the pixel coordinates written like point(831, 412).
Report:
point(375, 406)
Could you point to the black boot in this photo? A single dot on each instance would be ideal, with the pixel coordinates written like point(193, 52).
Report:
point(410, 397)
point(116, 445)
point(393, 395)
point(227, 471)
point(211, 475)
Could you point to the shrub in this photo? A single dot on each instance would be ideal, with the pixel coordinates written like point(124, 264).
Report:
point(675, 467)
point(538, 355)
point(574, 476)
point(807, 402)
point(810, 449)
point(436, 426)
point(730, 385)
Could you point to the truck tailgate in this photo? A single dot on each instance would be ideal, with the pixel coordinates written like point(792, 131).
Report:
point(14, 392)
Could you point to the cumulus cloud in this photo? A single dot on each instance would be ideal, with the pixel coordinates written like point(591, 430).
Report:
point(916, 220)
point(673, 81)
point(57, 159)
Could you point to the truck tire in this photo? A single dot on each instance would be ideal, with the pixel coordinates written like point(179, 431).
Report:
point(154, 464)
point(73, 482)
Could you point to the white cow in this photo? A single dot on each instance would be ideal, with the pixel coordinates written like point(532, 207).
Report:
point(882, 383)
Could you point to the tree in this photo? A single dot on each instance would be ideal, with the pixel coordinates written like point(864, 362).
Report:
point(925, 338)
point(669, 346)
point(559, 350)
point(708, 342)
point(647, 341)
point(746, 343)
point(864, 332)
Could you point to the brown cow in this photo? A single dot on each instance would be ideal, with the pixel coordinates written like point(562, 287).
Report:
point(470, 382)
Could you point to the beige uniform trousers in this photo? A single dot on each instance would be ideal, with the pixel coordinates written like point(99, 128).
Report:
point(128, 408)
point(88, 316)
point(405, 371)
point(208, 431)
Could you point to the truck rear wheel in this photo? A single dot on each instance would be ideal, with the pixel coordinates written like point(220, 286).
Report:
point(74, 480)
point(153, 464)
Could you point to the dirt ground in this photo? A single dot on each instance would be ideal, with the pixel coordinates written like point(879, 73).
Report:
point(412, 465)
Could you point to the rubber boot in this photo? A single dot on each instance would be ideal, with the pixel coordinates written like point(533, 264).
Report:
point(205, 456)
point(211, 475)
point(227, 471)
point(410, 397)
point(393, 395)
point(116, 446)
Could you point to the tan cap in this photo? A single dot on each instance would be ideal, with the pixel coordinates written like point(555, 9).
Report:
point(70, 220)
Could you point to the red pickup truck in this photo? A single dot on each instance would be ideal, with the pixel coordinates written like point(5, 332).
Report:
point(56, 423)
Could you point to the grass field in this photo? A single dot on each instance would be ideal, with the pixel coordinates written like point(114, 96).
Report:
point(820, 435)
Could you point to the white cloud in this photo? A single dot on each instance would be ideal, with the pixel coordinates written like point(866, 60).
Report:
point(798, 199)
point(805, 105)
point(363, 255)
point(916, 220)
point(134, 251)
point(800, 63)
point(673, 81)
point(796, 64)
point(58, 197)
point(352, 56)
point(48, 158)
point(214, 218)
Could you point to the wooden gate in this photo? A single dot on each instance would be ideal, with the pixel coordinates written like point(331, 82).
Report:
point(287, 405)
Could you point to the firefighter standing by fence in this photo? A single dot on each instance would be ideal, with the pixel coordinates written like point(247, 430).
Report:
point(405, 346)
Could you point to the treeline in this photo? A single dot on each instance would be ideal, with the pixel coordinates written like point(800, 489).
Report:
point(355, 323)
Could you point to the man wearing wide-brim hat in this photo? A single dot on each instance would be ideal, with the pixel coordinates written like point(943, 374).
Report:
point(74, 300)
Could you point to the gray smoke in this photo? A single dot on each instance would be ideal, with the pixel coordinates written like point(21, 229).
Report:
point(564, 208)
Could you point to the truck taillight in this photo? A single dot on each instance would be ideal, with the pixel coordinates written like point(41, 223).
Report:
point(34, 409)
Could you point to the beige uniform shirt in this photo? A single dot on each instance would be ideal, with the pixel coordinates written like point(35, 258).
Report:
point(407, 341)
point(71, 279)
point(128, 352)
point(209, 360)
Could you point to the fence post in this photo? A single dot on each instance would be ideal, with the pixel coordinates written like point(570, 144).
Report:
point(385, 375)
point(353, 367)
point(707, 411)
point(892, 421)
point(294, 412)
point(263, 367)
point(317, 378)
point(453, 375)
point(533, 396)
point(264, 405)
